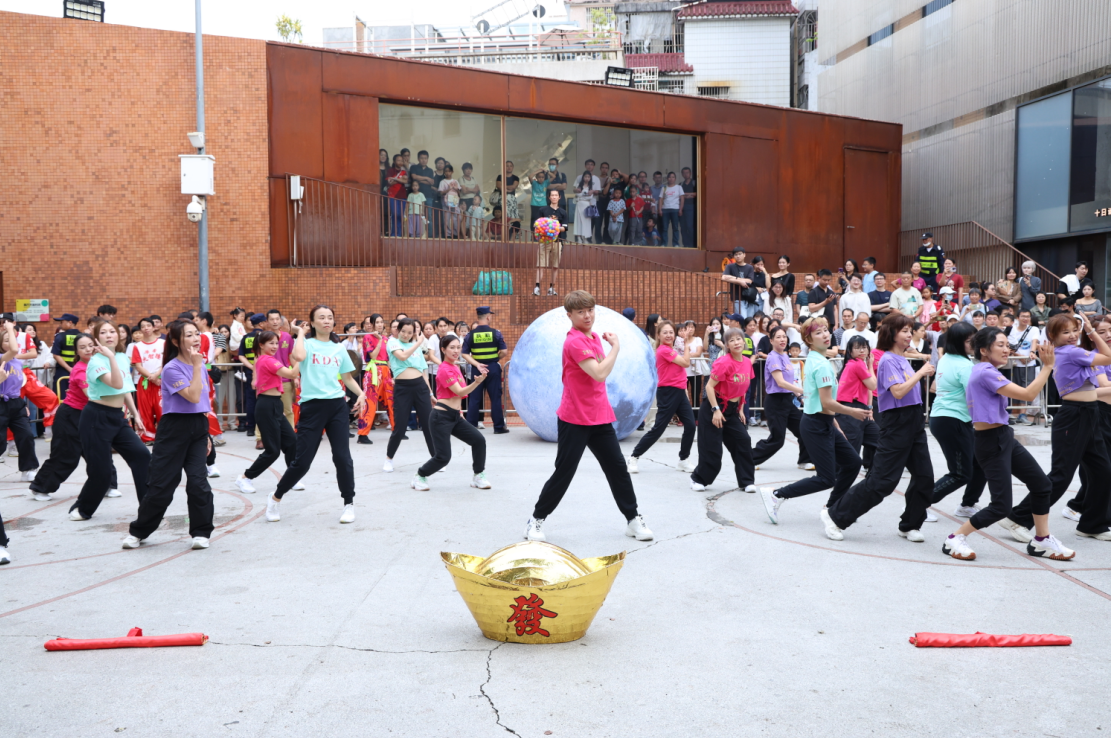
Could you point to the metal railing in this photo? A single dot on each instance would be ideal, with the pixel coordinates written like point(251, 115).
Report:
point(507, 48)
point(977, 252)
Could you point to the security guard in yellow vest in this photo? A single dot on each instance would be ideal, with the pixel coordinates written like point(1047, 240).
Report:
point(64, 351)
point(484, 348)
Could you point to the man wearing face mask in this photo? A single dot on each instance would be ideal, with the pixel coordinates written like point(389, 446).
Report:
point(557, 180)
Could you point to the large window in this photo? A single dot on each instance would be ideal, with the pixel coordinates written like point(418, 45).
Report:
point(530, 146)
point(1042, 167)
point(1090, 196)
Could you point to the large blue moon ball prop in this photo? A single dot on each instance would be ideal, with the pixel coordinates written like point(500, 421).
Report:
point(536, 371)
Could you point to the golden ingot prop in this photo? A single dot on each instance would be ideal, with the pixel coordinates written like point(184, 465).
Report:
point(533, 592)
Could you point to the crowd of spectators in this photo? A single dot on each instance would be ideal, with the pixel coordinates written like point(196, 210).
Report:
point(601, 205)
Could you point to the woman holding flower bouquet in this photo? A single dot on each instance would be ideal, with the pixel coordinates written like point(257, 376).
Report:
point(551, 241)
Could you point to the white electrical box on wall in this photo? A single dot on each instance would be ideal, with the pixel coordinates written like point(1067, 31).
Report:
point(197, 174)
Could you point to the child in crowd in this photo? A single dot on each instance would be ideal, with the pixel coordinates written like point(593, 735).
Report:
point(651, 234)
point(616, 209)
point(493, 228)
point(416, 211)
point(634, 208)
point(476, 217)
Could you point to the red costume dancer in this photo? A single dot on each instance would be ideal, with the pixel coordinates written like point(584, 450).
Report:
point(208, 350)
point(33, 390)
point(377, 382)
point(146, 357)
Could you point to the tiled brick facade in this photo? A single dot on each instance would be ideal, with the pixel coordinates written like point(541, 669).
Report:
point(94, 118)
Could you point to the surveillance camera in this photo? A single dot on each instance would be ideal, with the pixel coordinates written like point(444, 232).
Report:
point(195, 210)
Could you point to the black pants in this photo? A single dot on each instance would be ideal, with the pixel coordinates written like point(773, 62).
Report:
point(1076, 503)
point(1077, 441)
point(782, 416)
point(13, 417)
point(103, 428)
point(278, 437)
point(1001, 456)
point(249, 401)
point(902, 445)
point(3, 535)
point(65, 453)
point(669, 401)
point(492, 387)
point(571, 442)
point(734, 435)
point(445, 424)
point(860, 433)
point(957, 442)
point(408, 395)
point(319, 417)
point(836, 463)
point(181, 445)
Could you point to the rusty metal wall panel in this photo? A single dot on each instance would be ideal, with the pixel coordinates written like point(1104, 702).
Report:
point(296, 127)
point(350, 129)
point(426, 83)
point(720, 116)
point(747, 170)
point(868, 199)
point(812, 189)
point(279, 224)
point(607, 105)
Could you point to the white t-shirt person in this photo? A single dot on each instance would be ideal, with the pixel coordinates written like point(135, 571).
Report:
point(671, 197)
point(869, 336)
point(906, 300)
point(1024, 340)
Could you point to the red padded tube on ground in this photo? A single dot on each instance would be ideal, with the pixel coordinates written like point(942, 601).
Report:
point(982, 640)
point(134, 639)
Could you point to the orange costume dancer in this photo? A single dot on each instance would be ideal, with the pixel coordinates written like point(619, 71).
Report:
point(146, 357)
point(377, 382)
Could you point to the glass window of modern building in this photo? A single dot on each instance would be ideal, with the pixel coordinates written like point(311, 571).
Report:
point(1042, 167)
point(1090, 192)
point(530, 146)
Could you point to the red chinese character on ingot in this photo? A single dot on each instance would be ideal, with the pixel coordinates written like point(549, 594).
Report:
point(527, 614)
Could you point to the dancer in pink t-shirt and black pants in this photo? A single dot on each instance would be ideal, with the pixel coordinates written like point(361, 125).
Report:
point(586, 421)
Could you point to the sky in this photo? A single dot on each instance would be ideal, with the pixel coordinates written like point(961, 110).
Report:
point(255, 18)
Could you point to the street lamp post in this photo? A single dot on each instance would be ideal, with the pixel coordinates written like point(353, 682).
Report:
point(202, 229)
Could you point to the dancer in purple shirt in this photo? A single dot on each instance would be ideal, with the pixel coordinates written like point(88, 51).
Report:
point(902, 442)
point(998, 453)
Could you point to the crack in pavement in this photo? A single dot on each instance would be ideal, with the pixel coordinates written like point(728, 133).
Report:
point(673, 538)
point(482, 689)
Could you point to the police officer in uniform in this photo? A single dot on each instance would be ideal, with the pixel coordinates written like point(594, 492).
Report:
point(65, 351)
point(248, 352)
point(484, 348)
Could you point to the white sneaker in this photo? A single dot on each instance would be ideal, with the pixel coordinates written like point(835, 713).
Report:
point(957, 547)
point(132, 542)
point(931, 516)
point(1050, 548)
point(481, 425)
point(199, 542)
point(1018, 532)
point(113, 493)
point(4, 558)
point(28, 476)
point(348, 514)
point(419, 483)
point(533, 532)
point(751, 489)
point(536, 291)
point(632, 465)
point(299, 487)
point(388, 466)
point(966, 511)
point(1069, 514)
point(246, 486)
point(833, 533)
point(219, 440)
point(913, 535)
point(1104, 536)
point(638, 530)
point(76, 516)
point(698, 487)
point(273, 509)
point(771, 503)
point(552, 292)
point(686, 465)
point(806, 467)
point(13, 450)
point(48, 433)
point(43, 497)
point(213, 471)
point(480, 481)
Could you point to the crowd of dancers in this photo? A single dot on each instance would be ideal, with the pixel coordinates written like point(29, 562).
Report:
point(874, 406)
